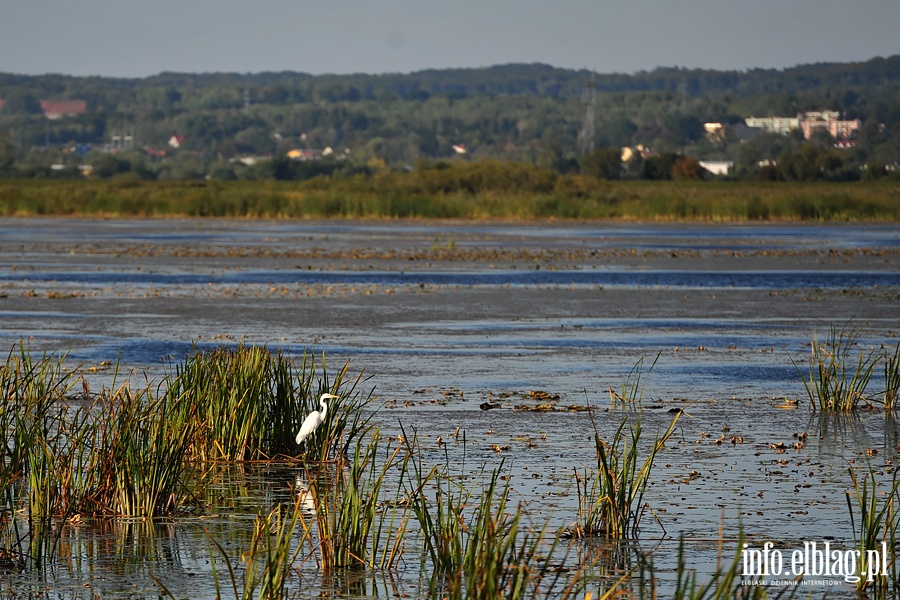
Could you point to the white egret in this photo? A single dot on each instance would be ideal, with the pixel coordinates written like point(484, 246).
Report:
point(314, 419)
point(305, 496)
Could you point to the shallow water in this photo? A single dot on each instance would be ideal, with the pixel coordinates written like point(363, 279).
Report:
point(444, 317)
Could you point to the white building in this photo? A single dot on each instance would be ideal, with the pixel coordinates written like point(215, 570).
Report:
point(717, 167)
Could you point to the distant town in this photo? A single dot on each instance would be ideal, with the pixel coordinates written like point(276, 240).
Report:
point(245, 127)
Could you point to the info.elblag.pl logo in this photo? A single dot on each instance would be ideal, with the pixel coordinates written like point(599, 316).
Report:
point(815, 562)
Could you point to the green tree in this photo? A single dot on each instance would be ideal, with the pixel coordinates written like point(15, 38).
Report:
point(659, 166)
point(687, 168)
point(22, 102)
point(7, 154)
point(602, 163)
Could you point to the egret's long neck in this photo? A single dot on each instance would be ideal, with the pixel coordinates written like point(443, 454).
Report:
point(324, 408)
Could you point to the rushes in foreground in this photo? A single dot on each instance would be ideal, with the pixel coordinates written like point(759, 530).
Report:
point(611, 499)
point(878, 521)
point(892, 378)
point(354, 525)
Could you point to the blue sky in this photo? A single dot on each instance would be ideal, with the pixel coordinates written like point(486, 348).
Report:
point(129, 38)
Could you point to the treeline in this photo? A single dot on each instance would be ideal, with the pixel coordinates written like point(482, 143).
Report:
point(533, 114)
point(511, 79)
point(483, 190)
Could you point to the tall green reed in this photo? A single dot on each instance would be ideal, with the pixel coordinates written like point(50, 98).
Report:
point(632, 392)
point(876, 531)
point(31, 391)
point(30, 416)
point(150, 441)
point(834, 383)
point(236, 393)
point(611, 499)
point(249, 403)
point(267, 563)
point(725, 583)
point(892, 378)
point(347, 419)
point(442, 521)
point(355, 523)
point(475, 544)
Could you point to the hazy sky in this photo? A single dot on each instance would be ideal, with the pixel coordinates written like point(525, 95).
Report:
point(131, 38)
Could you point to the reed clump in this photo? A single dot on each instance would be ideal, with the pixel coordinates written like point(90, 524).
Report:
point(892, 378)
point(354, 524)
point(478, 546)
point(611, 498)
point(874, 523)
point(837, 382)
point(488, 552)
point(124, 451)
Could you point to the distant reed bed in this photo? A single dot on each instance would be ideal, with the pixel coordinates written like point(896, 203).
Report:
point(470, 191)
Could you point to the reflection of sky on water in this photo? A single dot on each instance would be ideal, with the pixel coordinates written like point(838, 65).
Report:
point(667, 236)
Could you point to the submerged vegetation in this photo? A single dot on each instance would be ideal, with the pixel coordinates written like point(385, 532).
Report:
point(483, 190)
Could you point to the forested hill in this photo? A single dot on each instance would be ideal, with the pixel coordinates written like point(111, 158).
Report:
point(510, 79)
point(185, 126)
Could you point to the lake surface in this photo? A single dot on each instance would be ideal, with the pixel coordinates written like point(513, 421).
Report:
point(444, 316)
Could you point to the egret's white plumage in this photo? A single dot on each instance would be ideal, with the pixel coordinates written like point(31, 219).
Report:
point(314, 419)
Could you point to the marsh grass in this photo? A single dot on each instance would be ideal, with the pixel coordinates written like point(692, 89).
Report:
point(243, 402)
point(30, 417)
point(878, 519)
point(267, 563)
point(632, 393)
point(500, 556)
point(477, 545)
point(725, 583)
point(892, 378)
point(148, 448)
point(124, 452)
point(611, 499)
point(347, 419)
point(355, 525)
point(836, 382)
point(441, 521)
point(249, 403)
point(479, 190)
point(500, 553)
